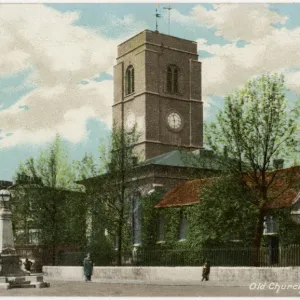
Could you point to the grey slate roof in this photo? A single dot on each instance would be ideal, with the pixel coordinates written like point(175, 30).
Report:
point(199, 159)
point(202, 159)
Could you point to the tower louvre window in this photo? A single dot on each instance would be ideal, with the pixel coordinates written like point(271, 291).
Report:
point(129, 80)
point(132, 80)
point(172, 79)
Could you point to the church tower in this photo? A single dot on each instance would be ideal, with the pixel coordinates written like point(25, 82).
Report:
point(157, 85)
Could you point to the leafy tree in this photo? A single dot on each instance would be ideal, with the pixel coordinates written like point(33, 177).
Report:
point(225, 214)
point(51, 197)
point(254, 129)
point(117, 186)
point(86, 168)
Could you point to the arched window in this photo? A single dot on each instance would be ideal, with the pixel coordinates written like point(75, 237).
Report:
point(172, 79)
point(161, 228)
point(136, 219)
point(129, 80)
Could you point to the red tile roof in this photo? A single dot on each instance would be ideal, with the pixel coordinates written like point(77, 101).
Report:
point(188, 193)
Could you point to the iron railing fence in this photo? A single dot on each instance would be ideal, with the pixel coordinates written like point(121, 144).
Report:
point(234, 257)
point(281, 257)
point(217, 257)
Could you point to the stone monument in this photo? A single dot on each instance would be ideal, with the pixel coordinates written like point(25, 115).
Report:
point(11, 273)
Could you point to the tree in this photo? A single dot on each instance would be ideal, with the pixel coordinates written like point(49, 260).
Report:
point(116, 185)
point(255, 128)
point(86, 168)
point(222, 218)
point(97, 220)
point(56, 206)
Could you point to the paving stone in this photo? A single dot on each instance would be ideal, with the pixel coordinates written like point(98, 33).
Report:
point(86, 289)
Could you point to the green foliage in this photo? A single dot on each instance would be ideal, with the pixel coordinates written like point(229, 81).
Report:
point(113, 190)
point(221, 217)
point(225, 214)
point(288, 230)
point(150, 220)
point(22, 205)
point(86, 168)
point(256, 125)
point(45, 200)
point(255, 128)
point(224, 218)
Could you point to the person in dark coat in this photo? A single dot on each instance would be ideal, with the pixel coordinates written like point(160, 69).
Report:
point(206, 271)
point(88, 267)
point(27, 264)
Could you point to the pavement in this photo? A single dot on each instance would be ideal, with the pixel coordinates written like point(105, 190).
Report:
point(113, 289)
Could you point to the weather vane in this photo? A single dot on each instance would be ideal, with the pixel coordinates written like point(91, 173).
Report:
point(169, 13)
point(157, 15)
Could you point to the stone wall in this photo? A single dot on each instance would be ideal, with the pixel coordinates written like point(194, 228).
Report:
point(183, 275)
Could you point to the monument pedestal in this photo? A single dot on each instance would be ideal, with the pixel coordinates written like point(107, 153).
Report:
point(12, 276)
point(11, 273)
point(23, 282)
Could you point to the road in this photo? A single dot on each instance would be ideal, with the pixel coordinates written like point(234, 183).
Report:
point(85, 289)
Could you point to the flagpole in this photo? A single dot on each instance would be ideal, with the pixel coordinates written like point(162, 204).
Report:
point(157, 15)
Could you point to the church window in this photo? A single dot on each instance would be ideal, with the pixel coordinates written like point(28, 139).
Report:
point(172, 79)
point(161, 228)
point(136, 220)
point(132, 80)
point(183, 227)
point(116, 242)
point(129, 80)
point(270, 226)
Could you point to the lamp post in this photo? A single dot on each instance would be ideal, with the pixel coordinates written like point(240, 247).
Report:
point(6, 232)
point(5, 196)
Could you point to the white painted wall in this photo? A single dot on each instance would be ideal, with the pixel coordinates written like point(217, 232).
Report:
point(189, 275)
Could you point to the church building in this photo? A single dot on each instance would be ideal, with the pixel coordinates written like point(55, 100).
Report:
point(157, 88)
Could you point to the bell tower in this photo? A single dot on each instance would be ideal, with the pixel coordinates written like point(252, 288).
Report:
point(157, 85)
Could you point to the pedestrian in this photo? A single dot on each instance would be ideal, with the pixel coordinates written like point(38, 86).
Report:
point(27, 265)
point(206, 271)
point(88, 267)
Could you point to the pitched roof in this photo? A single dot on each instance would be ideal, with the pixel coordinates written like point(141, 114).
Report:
point(203, 159)
point(199, 159)
point(284, 190)
point(188, 193)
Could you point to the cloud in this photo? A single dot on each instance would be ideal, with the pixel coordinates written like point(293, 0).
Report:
point(268, 48)
point(39, 36)
point(238, 21)
point(62, 109)
point(293, 81)
point(233, 66)
point(59, 56)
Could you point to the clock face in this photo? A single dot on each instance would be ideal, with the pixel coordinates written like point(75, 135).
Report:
point(174, 121)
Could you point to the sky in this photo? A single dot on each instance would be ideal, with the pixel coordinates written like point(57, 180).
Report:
point(56, 64)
